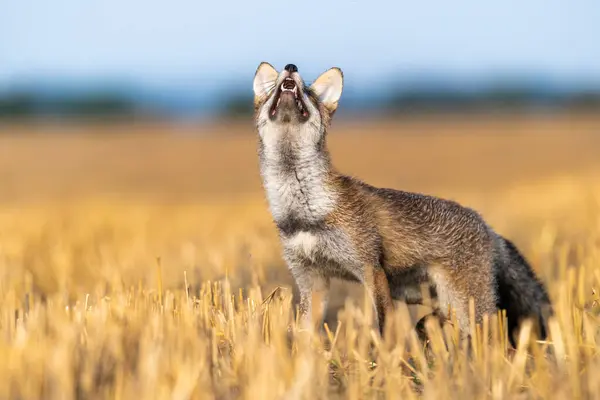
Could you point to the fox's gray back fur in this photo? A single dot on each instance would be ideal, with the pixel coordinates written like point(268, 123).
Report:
point(333, 225)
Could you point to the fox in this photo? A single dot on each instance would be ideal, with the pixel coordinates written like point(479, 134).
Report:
point(335, 226)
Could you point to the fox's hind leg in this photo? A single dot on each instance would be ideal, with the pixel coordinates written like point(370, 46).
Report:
point(456, 285)
point(420, 326)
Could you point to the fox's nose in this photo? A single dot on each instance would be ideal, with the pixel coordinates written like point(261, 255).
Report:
point(291, 68)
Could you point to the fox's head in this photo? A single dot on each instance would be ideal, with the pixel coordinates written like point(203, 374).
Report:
point(283, 103)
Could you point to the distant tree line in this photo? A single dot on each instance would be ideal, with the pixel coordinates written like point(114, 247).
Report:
point(428, 100)
point(116, 104)
point(24, 104)
point(503, 99)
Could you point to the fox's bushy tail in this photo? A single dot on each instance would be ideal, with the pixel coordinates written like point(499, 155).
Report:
point(520, 292)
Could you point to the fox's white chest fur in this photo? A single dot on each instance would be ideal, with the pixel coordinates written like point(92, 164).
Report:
point(295, 178)
point(304, 244)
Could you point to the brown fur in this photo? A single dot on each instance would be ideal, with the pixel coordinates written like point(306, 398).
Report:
point(394, 232)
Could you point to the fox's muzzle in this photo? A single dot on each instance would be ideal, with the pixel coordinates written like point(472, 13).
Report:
point(288, 102)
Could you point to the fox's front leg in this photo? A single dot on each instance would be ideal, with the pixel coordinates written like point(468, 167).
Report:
point(378, 288)
point(314, 296)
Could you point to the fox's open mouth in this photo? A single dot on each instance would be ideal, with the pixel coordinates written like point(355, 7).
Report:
point(287, 94)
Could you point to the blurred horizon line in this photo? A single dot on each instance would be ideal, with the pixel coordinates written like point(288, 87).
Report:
point(201, 97)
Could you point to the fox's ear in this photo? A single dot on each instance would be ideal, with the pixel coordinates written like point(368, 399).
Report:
point(264, 79)
point(328, 87)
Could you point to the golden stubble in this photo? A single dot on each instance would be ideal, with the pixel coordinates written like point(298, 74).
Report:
point(147, 276)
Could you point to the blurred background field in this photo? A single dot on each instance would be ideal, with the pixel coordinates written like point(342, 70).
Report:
point(137, 254)
point(87, 209)
point(191, 194)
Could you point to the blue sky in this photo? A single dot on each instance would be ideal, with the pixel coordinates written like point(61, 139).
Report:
point(178, 42)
